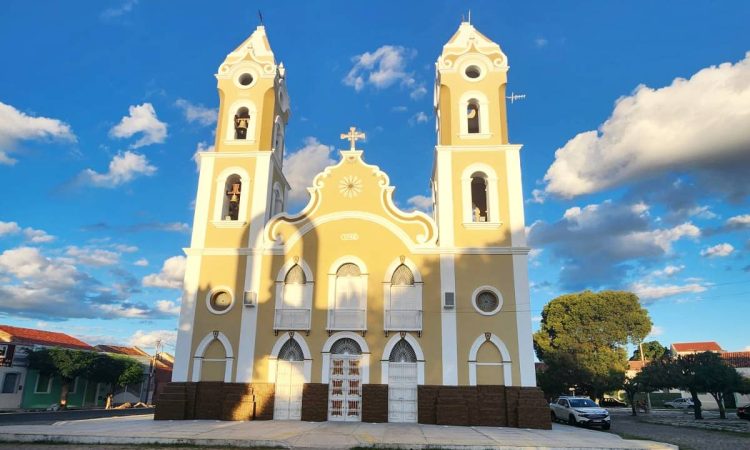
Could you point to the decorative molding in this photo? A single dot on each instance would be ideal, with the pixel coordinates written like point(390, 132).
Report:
point(506, 362)
point(492, 289)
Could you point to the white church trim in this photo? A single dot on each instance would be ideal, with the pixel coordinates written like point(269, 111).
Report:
point(201, 350)
point(506, 362)
point(274, 356)
point(326, 352)
point(387, 354)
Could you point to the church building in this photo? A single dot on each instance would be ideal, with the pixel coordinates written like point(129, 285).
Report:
point(352, 309)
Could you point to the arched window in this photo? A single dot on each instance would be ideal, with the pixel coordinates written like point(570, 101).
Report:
point(241, 123)
point(293, 299)
point(350, 299)
point(479, 197)
point(472, 116)
point(402, 352)
point(403, 301)
point(278, 201)
point(291, 351)
point(233, 190)
point(278, 138)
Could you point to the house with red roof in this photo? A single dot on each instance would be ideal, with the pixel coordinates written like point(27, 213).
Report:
point(157, 371)
point(688, 348)
point(24, 388)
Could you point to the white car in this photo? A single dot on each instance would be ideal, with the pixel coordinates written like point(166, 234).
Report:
point(680, 403)
point(579, 410)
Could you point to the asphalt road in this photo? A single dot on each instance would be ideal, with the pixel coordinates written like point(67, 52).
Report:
point(50, 417)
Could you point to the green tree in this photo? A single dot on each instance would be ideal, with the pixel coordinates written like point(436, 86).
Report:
point(715, 376)
point(115, 371)
point(651, 350)
point(67, 364)
point(583, 337)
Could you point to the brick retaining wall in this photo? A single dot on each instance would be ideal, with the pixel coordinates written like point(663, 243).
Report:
point(216, 401)
point(315, 402)
point(375, 403)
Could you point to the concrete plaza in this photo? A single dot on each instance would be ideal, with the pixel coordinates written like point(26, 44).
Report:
point(143, 429)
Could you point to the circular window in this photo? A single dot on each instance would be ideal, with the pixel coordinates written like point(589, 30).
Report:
point(219, 301)
point(473, 72)
point(487, 300)
point(245, 79)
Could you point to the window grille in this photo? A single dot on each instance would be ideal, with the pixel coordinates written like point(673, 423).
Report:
point(348, 270)
point(295, 275)
point(487, 301)
point(402, 352)
point(346, 346)
point(402, 276)
point(291, 351)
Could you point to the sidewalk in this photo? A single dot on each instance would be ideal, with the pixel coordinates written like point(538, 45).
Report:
point(314, 435)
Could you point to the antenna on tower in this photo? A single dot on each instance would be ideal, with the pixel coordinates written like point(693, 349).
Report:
point(513, 97)
point(260, 17)
point(470, 17)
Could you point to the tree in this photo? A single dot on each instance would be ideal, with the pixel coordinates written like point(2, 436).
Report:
point(115, 371)
point(651, 350)
point(66, 363)
point(715, 376)
point(632, 386)
point(583, 337)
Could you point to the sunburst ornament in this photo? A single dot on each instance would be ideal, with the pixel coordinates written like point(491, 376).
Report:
point(350, 186)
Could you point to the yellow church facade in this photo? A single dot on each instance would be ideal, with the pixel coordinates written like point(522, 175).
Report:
point(353, 309)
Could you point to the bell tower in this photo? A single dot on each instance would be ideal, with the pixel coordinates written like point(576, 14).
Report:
point(240, 186)
point(476, 184)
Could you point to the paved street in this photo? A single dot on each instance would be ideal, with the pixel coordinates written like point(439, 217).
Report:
point(50, 417)
point(685, 438)
point(143, 430)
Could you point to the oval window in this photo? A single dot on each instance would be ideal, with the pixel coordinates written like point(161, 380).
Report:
point(473, 72)
point(221, 300)
point(245, 79)
point(487, 301)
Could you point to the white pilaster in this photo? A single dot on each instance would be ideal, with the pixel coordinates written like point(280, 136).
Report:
point(445, 206)
point(192, 273)
point(248, 325)
point(448, 321)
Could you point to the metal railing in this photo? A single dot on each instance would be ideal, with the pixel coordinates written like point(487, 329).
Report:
point(403, 320)
point(346, 319)
point(292, 319)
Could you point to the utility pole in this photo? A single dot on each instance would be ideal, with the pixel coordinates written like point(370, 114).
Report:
point(151, 372)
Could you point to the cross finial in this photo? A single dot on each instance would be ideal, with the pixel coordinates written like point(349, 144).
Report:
point(353, 136)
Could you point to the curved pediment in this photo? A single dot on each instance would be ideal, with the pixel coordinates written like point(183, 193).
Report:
point(352, 190)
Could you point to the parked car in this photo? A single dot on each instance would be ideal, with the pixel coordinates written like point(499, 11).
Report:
point(612, 403)
point(680, 403)
point(579, 411)
point(743, 412)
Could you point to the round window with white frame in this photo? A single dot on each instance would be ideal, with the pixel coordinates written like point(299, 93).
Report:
point(244, 79)
point(219, 301)
point(487, 300)
point(473, 72)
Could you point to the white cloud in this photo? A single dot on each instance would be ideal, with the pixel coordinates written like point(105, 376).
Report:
point(419, 117)
point(668, 271)
point(171, 275)
point(16, 126)
point(168, 307)
point(93, 256)
point(143, 262)
point(697, 124)
point(202, 147)
point(301, 167)
point(537, 196)
point(30, 234)
point(718, 251)
point(738, 222)
point(649, 293)
point(399, 108)
point(124, 8)
point(141, 119)
point(383, 68)
point(147, 339)
point(126, 248)
point(656, 331)
point(123, 168)
point(421, 203)
point(197, 113)
point(541, 42)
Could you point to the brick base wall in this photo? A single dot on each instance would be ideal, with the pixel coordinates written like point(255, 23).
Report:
point(375, 403)
point(497, 406)
point(215, 401)
point(315, 402)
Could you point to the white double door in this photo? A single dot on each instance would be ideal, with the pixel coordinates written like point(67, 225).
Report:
point(290, 378)
point(402, 392)
point(345, 388)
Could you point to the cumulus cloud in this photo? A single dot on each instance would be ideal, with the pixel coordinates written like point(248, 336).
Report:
point(383, 68)
point(656, 331)
point(147, 339)
point(650, 293)
point(123, 168)
point(171, 275)
point(718, 251)
point(141, 120)
point(30, 234)
point(143, 262)
point(668, 271)
point(118, 11)
point(301, 166)
point(168, 307)
point(419, 117)
point(597, 245)
point(541, 42)
point(197, 113)
point(696, 125)
point(16, 126)
point(96, 257)
point(738, 222)
point(421, 203)
point(202, 147)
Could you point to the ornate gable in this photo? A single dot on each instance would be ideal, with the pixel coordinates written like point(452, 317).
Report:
point(255, 49)
point(469, 40)
point(352, 189)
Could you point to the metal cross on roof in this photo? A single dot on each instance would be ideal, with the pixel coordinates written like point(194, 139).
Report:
point(353, 136)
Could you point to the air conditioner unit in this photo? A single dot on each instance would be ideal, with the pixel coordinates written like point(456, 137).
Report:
point(449, 300)
point(250, 299)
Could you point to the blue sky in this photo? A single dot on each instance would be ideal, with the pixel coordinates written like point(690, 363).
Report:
point(102, 106)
